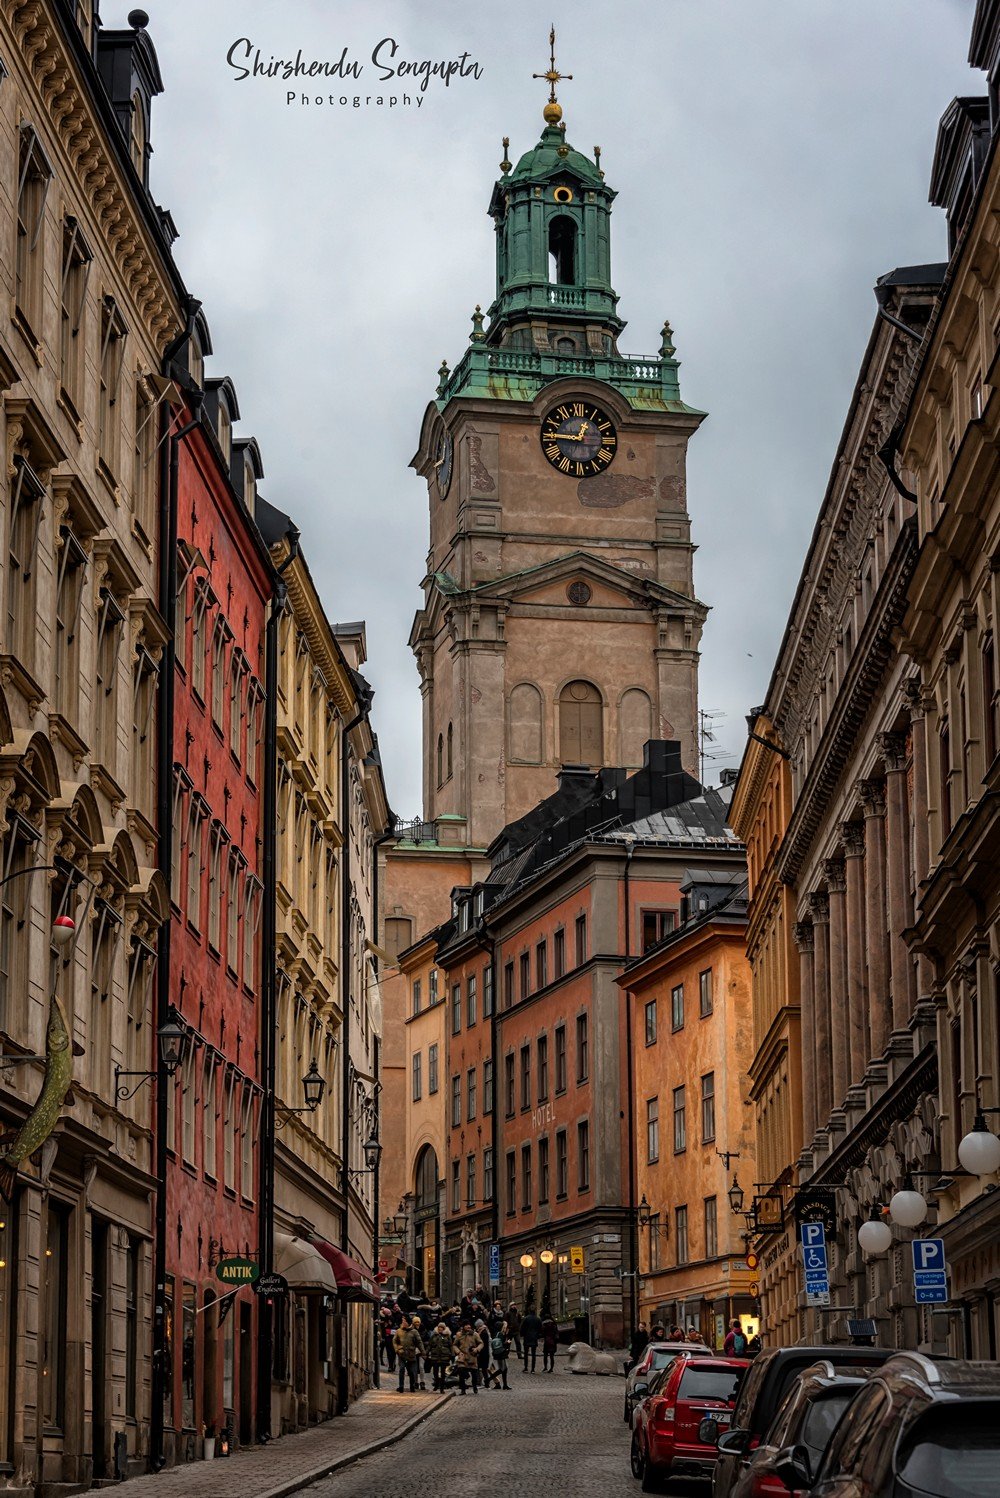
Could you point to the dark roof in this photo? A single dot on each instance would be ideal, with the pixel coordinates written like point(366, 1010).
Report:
point(273, 524)
point(912, 275)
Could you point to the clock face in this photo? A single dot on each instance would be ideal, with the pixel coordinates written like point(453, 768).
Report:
point(443, 462)
point(579, 439)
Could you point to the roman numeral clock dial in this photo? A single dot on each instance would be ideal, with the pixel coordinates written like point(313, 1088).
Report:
point(579, 439)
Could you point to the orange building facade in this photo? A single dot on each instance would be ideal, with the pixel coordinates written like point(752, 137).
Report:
point(689, 1030)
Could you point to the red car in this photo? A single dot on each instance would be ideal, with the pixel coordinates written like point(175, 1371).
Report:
point(665, 1439)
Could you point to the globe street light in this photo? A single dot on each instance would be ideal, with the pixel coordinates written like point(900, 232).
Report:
point(979, 1151)
point(875, 1236)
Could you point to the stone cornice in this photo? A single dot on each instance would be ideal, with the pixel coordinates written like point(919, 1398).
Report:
point(868, 666)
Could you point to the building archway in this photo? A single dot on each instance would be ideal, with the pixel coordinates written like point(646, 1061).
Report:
point(581, 725)
point(469, 1269)
point(426, 1222)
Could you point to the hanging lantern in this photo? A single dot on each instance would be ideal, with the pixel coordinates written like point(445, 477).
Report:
point(875, 1236)
point(979, 1151)
point(908, 1207)
point(63, 930)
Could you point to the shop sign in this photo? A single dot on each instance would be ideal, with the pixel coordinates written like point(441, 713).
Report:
point(237, 1271)
point(817, 1204)
point(270, 1284)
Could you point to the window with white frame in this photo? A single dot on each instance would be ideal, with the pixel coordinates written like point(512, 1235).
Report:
point(233, 910)
point(215, 855)
point(203, 596)
point(34, 179)
point(113, 335)
point(246, 1144)
point(181, 792)
point(138, 1006)
point(189, 1106)
point(220, 637)
point(229, 1134)
point(237, 675)
point(252, 904)
point(145, 672)
point(144, 440)
point(77, 260)
point(255, 701)
point(652, 1130)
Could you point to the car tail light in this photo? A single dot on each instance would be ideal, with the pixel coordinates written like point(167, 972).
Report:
point(766, 1485)
point(664, 1413)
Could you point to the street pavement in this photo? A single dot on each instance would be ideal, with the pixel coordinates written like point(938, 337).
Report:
point(553, 1432)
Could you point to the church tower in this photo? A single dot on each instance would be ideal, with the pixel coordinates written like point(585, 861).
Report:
point(559, 624)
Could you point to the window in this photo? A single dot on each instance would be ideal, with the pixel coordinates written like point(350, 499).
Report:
point(145, 672)
point(656, 924)
point(220, 638)
point(456, 1008)
point(34, 176)
point(582, 1049)
point(232, 911)
point(415, 1064)
point(229, 1136)
point(680, 1122)
point(196, 820)
point(562, 1165)
point(583, 1156)
point(14, 925)
point(525, 1076)
point(432, 1069)
point(525, 1177)
point(543, 1068)
point(708, 1107)
point(416, 995)
point(237, 674)
point(944, 758)
point(991, 701)
point(456, 1186)
point(133, 1263)
point(76, 262)
point(198, 638)
point(247, 1133)
point(432, 986)
point(651, 1022)
point(581, 733)
point(705, 993)
point(470, 999)
point(253, 901)
point(440, 760)
point(541, 964)
point(110, 627)
point(581, 940)
point(488, 1086)
point(210, 1163)
point(543, 1171)
point(25, 513)
point(255, 698)
point(54, 1315)
point(711, 1227)
point(511, 1183)
point(113, 336)
point(524, 965)
point(487, 992)
point(560, 1058)
point(508, 1084)
point(470, 1180)
point(71, 569)
point(681, 1235)
point(487, 1175)
point(456, 1102)
point(559, 953)
point(470, 1094)
point(677, 1007)
point(216, 837)
point(652, 1130)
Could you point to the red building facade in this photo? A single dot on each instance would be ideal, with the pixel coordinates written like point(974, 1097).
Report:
point(223, 584)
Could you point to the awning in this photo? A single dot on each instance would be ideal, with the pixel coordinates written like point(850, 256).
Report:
point(353, 1281)
point(303, 1267)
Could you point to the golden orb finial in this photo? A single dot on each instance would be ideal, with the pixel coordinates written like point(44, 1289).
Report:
point(552, 113)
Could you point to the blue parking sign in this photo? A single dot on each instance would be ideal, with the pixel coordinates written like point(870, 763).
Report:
point(813, 1235)
point(928, 1254)
point(494, 1263)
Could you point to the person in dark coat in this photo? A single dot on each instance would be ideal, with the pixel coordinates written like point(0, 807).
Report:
point(439, 1353)
point(638, 1343)
point(514, 1327)
point(501, 1352)
point(409, 1350)
point(485, 1351)
point(531, 1330)
point(550, 1341)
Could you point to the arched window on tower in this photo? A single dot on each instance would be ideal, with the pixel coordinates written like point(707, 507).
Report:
point(581, 726)
point(450, 737)
point(440, 759)
point(562, 251)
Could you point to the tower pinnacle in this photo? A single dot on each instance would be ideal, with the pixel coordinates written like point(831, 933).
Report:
point(552, 113)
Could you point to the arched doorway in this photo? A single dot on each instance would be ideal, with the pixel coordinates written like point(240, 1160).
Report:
point(469, 1269)
point(581, 724)
point(426, 1226)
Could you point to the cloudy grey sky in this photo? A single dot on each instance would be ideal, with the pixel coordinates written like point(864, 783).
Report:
point(771, 159)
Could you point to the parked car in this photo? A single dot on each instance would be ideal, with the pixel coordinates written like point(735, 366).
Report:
point(666, 1431)
point(806, 1419)
point(656, 1355)
point(763, 1390)
point(918, 1429)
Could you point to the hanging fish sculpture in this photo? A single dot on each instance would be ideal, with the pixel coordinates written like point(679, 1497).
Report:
point(45, 1114)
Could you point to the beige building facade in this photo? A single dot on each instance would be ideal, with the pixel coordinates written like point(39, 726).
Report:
point(91, 303)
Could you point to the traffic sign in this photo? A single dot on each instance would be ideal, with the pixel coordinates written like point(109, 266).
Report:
point(576, 1259)
point(752, 1260)
point(817, 1297)
point(930, 1271)
point(928, 1254)
point(813, 1235)
point(932, 1294)
point(494, 1263)
point(754, 1289)
point(814, 1258)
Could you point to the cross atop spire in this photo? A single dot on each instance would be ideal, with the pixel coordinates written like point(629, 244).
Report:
point(553, 110)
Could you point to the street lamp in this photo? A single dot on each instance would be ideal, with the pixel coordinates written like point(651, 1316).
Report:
point(979, 1151)
point(875, 1235)
point(908, 1206)
point(527, 1261)
point(546, 1256)
point(645, 1212)
point(735, 1194)
point(171, 1040)
point(372, 1151)
point(313, 1088)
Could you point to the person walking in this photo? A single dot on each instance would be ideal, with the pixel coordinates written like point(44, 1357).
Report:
point(550, 1341)
point(439, 1355)
point(531, 1330)
point(735, 1344)
point(514, 1327)
point(418, 1323)
point(467, 1346)
point(409, 1348)
point(500, 1346)
point(485, 1351)
point(638, 1343)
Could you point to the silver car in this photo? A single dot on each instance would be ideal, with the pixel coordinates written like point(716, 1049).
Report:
point(656, 1355)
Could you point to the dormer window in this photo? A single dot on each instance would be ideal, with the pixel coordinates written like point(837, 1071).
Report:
point(249, 485)
point(196, 360)
point(225, 431)
point(137, 136)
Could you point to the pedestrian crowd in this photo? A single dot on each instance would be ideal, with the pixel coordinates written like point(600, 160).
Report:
point(737, 1343)
point(470, 1342)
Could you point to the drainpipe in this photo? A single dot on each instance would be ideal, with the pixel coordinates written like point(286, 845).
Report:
point(632, 1232)
point(377, 843)
point(167, 598)
point(268, 990)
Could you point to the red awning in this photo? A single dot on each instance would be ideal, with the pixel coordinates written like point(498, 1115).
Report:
point(354, 1282)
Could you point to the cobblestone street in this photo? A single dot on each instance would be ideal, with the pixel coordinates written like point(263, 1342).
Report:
point(552, 1432)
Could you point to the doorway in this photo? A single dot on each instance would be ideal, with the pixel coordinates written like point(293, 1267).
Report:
point(98, 1342)
point(209, 1368)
